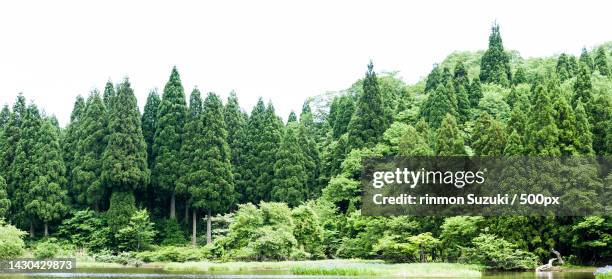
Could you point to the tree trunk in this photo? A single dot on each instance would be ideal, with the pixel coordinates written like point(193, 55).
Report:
point(172, 206)
point(31, 230)
point(193, 228)
point(46, 229)
point(208, 231)
point(186, 212)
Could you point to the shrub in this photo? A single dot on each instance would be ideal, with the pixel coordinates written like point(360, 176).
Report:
point(273, 243)
point(497, 253)
point(46, 249)
point(86, 228)
point(392, 250)
point(11, 242)
point(171, 233)
point(137, 234)
point(173, 254)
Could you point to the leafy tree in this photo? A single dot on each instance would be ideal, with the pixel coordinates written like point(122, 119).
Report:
point(211, 184)
point(494, 252)
point(5, 203)
point(514, 145)
point(586, 59)
point(171, 116)
point(591, 236)
point(149, 123)
point(413, 143)
point(495, 63)
point(601, 62)
point(308, 230)
point(138, 233)
point(86, 175)
point(289, 173)
point(582, 86)
point(368, 122)
point(457, 231)
point(86, 228)
point(449, 141)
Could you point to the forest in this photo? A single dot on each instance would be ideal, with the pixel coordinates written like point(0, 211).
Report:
point(194, 177)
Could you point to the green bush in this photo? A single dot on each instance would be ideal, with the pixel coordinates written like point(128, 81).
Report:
point(86, 228)
point(11, 242)
point(46, 249)
point(497, 253)
point(173, 254)
point(392, 250)
point(171, 233)
point(137, 234)
point(273, 243)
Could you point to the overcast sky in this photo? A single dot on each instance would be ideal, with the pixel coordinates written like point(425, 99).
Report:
point(281, 50)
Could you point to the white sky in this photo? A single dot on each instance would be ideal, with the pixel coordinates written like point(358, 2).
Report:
point(281, 50)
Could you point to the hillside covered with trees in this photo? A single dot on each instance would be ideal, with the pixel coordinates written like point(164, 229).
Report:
point(248, 186)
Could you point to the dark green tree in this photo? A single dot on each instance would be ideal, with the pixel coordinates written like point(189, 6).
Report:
point(368, 122)
point(9, 137)
point(585, 58)
point(600, 118)
point(109, 95)
point(519, 75)
point(122, 206)
point(341, 115)
point(438, 104)
point(582, 86)
point(5, 116)
point(495, 63)
point(5, 202)
point(289, 183)
point(292, 118)
point(267, 149)
point(601, 62)
point(149, 123)
point(563, 68)
point(211, 186)
point(566, 123)
point(584, 140)
point(171, 117)
point(489, 136)
point(514, 146)
point(71, 139)
point(433, 79)
point(475, 92)
point(124, 161)
point(86, 175)
point(543, 135)
point(449, 141)
point(235, 121)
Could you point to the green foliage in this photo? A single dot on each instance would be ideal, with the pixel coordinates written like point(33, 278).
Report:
point(308, 231)
point(440, 102)
point(171, 117)
point(495, 63)
point(542, 132)
point(122, 208)
point(585, 58)
point(124, 161)
point(582, 86)
point(138, 234)
point(497, 253)
point(87, 229)
point(170, 233)
point(172, 254)
point(289, 184)
point(5, 203)
point(11, 242)
point(449, 141)
point(601, 62)
point(46, 249)
point(368, 122)
point(149, 123)
point(592, 235)
point(457, 232)
point(340, 112)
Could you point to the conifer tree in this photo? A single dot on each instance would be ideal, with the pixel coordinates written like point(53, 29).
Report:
point(519, 75)
point(289, 184)
point(517, 122)
point(412, 143)
point(342, 115)
point(9, 137)
point(149, 123)
point(235, 121)
point(5, 116)
point(71, 139)
point(563, 67)
point(438, 105)
point(292, 118)
point(475, 92)
point(109, 95)
point(5, 202)
point(47, 195)
point(600, 117)
point(585, 58)
point(167, 141)
point(122, 206)
point(514, 145)
point(87, 175)
point(495, 63)
point(573, 65)
point(584, 140)
point(124, 161)
point(368, 122)
point(433, 79)
point(582, 86)
point(311, 158)
point(449, 141)
point(268, 148)
point(543, 134)
point(247, 186)
point(461, 84)
point(211, 185)
point(601, 62)
point(566, 123)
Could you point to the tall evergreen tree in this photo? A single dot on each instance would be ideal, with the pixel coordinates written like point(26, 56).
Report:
point(71, 139)
point(235, 121)
point(9, 137)
point(433, 79)
point(584, 140)
point(519, 75)
point(514, 146)
point(5, 202)
point(149, 123)
point(289, 184)
point(438, 105)
point(600, 117)
point(167, 141)
point(368, 122)
point(475, 92)
point(109, 95)
point(495, 63)
point(87, 175)
point(461, 84)
point(341, 115)
point(124, 161)
point(585, 58)
point(212, 187)
point(563, 67)
point(449, 141)
point(543, 134)
point(601, 62)
point(566, 123)
point(292, 118)
point(5, 116)
point(47, 193)
point(582, 86)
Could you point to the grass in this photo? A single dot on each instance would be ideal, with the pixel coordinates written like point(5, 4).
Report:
point(334, 267)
